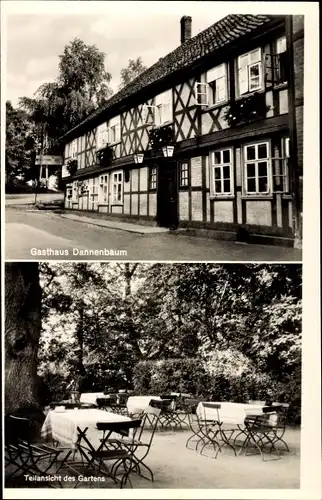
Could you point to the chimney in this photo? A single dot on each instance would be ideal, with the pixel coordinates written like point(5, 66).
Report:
point(185, 22)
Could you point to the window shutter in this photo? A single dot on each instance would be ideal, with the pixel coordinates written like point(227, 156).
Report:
point(243, 80)
point(221, 88)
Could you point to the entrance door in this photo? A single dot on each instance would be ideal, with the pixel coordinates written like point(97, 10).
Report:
point(167, 207)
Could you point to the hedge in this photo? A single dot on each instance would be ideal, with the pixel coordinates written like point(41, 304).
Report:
point(192, 375)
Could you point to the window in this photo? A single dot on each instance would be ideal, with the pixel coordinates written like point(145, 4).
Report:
point(249, 72)
point(74, 149)
point(281, 45)
point(69, 192)
point(217, 79)
point(153, 178)
point(201, 93)
point(280, 166)
point(163, 108)
point(221, 168)
point(257, 165)
point(117, 187)
point(75, 191)
point(184, 174)
point(280, 63)
point(102, 136)
point(103, 189)
point(114, 133)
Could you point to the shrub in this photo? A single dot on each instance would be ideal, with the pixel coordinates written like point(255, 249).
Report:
point(223, 376)
point(170, 375)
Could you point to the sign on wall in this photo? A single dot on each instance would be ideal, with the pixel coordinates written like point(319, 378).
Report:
point(49, 160)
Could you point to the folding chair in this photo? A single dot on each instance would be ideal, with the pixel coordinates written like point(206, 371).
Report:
point(165, 417)
point(261, 432)
point(279, 430)
point(112, 449)
point(119, 406)
point(213, 431)
point(195, 424)
point(27, 456)
point(148, 427)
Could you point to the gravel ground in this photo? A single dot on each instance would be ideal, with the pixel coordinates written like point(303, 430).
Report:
point(174, 466)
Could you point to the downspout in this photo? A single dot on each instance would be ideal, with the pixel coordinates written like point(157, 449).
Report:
point(293, 160)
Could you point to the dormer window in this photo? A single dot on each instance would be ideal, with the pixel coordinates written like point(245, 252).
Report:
point(250, 72)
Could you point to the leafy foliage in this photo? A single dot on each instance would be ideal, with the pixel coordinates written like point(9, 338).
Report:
point(246, 109)
point(20, 143)
point(113, 324)
point(134, 68)
point(81, 86)
point(161, 136)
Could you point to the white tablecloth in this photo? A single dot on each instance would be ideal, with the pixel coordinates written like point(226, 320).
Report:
point(229, 413)
point(137, 404)
point(90, 397)
point(62, 425)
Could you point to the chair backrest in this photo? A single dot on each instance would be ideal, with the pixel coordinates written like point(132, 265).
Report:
point(102, 402)
point(121, 428)
point(173, 397)
point(122, 398)
point(17, 429)
point(149, 422)
point(156, 403)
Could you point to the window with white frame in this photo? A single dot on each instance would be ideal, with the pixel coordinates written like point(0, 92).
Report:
point(257, 164)
point(280, 166)
point(201, 93)
point(217, 80)
point(163, 108)
point(102, 136)
point(114, 130)
point(281, 63)
point(153, 178)
point(250, 72)
point(74, 149)
point(184, 174)
point(103, 188)
point(117, 187)
point(221, 165)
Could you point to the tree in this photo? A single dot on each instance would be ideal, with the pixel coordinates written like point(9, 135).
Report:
point(81, 86)
point(22, 332)
point(20, 141)
point(134, 68)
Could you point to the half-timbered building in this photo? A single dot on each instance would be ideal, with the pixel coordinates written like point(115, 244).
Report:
point(209, 138)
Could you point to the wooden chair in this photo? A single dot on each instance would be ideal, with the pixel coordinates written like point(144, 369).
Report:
point(139, 442)
point(195, 424)
point(261, 432)
point(25, 455)
point(114, 450)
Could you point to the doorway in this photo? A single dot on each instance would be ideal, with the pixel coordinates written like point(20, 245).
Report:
point(167, 197)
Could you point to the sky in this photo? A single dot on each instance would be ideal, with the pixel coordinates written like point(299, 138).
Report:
point(35, 39)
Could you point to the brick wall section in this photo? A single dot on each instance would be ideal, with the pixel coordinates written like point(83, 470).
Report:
point(196, 178)
point(184, 206)
point(144, 179)
point(126, 204)
point(135, 180)
point(196, 208)
point(152, 204)
point(143, 204)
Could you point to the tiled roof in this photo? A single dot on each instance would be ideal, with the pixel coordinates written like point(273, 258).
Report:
point(220, 34)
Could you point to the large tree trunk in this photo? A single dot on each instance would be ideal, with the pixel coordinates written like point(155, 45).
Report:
point(22, 332)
